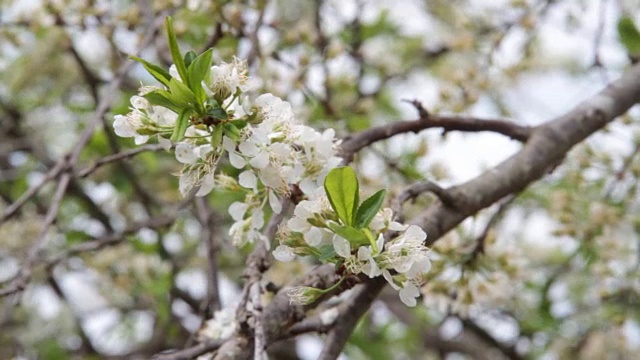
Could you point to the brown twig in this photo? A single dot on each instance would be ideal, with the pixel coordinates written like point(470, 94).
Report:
point(354, 143)
point(117, 157)
point(52, 174)
point(480, 240)
point(190, 353)
point(416, 190)
point(67, 165)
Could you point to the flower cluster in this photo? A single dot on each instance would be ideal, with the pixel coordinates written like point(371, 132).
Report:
point(205, 113)
point(312, 231)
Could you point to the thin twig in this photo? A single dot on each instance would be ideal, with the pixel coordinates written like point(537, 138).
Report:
point(354, 143)
point(53, 173)
point(68, 162)
point(480, 240)
point(117, 157)
point(628, 161)
point(20, 282)
point(190, 353)
point(416, 190)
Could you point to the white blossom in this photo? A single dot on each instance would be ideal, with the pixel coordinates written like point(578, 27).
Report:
point(407, 253)
point(225, 79)
point(409, 293)
point(221, 326)
point(284, 253)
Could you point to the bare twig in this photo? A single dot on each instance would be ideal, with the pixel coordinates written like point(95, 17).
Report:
point(416, 190)
point(354, 143)
point(117, 157)
point(628, 161)
point(53, 173)
point(24, 275)
point(190, 353)
point(68, 162)
point(480, 240)
point(508, 351)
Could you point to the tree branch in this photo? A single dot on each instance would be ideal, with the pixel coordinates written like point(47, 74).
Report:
point(359, 303)
point(356, 142)
point(192, 352)
point(546, 147)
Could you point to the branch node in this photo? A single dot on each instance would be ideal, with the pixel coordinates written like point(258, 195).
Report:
point(422, 112)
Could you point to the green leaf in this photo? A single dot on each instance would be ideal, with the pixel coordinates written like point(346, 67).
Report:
point(218, 113)
point(189, 57)
point(231, 131)
point(162, 98)
point(156, 71)
point(369, 208)
point(240, 124)
point(326, 253)
point(182, 123)
point(181, 94)
point(175, 50)
point(198, 70)
point(211, 102)
point(629, 35)
point(353, 235)
point(341, 186)
point(216, 137)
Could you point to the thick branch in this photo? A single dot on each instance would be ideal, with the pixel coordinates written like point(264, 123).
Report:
point(359, 303)
point(546, 147)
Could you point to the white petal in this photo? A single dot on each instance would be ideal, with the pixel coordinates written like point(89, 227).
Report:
point(141, 139)
point(283, 253)
point(396, 226)
point(271, 177)
point(185, 153)
point(186, 182)
point(261, 161)
point(415, 232)
point(403, 265)
point(228, 144)
point(237, 210)
point(308, 186)
point(139, 102)
point(420, 266)
point(248, 148)
point(380, 242)
point(274, 202)
point(313, 237)
point(122, 127)
point(236, 160)
point(203, 150)
point(387, 276)
point(408, 294)
point(173, 71)
point(165, 143)
point(341, 246)
point(303, 209)
point(248, 179)
point(257, 219)
point(207, 184)
point(298, 225)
